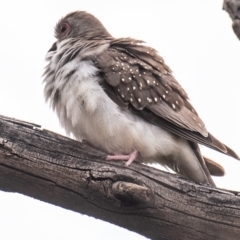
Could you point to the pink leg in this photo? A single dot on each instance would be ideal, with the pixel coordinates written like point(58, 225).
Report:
point(130, 158)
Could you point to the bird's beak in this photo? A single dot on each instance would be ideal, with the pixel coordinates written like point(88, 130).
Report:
point(53, 48)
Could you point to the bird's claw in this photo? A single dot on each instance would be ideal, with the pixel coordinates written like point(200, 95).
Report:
point(129, 158)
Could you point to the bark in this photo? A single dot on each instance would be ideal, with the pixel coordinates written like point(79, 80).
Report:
point(233, 9)
point(75, 176)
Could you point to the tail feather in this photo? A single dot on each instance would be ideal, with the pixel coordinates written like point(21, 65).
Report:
point(205, 169)
point(214, 168)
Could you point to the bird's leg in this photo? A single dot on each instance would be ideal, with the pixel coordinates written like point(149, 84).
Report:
point(130, 158)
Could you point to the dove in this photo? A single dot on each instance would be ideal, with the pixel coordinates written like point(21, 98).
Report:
point(119, 95)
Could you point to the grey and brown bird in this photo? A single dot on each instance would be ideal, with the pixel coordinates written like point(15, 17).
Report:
point(120, 96)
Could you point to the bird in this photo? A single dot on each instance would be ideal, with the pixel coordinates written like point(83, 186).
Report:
point(120, 96)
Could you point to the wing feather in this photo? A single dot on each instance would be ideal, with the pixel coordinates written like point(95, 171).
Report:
point(137, 78)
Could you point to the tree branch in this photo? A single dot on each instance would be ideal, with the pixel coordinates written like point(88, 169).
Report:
point(233, 9)
point(67, 173)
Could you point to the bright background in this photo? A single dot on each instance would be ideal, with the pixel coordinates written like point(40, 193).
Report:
point(194, 37)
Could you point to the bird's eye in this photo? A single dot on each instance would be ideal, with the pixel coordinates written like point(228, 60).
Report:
point(64, 27)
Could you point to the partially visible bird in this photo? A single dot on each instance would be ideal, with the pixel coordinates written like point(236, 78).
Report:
point(120, 96)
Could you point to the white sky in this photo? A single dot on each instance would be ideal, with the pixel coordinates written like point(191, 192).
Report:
point(194, 37)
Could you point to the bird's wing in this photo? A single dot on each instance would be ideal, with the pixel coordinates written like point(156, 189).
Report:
point(136, 77)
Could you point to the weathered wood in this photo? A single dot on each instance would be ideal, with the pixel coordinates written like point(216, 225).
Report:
point(233, 9)
point(67, 173)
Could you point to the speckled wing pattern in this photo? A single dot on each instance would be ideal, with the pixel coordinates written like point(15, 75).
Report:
point(137, 78)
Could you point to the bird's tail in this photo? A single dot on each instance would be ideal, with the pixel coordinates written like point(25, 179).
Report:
point(214, 168)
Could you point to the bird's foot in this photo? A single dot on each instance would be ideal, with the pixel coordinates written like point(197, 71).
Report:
point(129, 158)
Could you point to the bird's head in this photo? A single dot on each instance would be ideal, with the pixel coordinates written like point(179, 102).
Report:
point(81, 25)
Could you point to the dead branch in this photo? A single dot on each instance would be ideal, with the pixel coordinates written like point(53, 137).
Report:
point(233, 9)
point(67, 173)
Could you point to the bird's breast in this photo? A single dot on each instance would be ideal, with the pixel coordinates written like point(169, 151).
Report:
point(85, 111)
